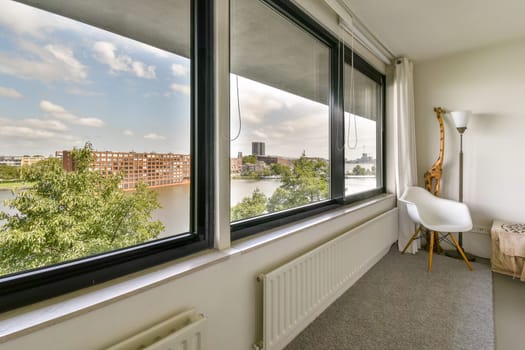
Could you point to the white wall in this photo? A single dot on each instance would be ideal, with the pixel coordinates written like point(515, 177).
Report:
point(491, 83)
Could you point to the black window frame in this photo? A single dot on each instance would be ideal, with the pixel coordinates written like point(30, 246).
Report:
point(338, 56)
point(27, 287)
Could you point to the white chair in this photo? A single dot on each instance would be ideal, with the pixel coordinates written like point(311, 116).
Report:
point(436, 215)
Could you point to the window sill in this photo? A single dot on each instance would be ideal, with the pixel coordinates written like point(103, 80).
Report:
point(266, 237)
point(25, 320)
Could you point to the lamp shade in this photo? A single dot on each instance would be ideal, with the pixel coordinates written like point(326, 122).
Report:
point(461, 118)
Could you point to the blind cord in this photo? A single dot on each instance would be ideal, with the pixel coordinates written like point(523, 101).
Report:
point(352, 103)
point(238, 109)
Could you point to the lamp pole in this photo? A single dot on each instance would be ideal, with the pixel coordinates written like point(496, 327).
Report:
point(461, 131)
point(460, 120)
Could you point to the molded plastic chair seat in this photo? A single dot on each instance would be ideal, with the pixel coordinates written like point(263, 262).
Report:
point(437, 215)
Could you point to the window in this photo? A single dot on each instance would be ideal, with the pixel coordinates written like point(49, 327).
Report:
point(107, 133)
point(305, 118)
point(363, 105)
point(280, 115)
point(111, 174)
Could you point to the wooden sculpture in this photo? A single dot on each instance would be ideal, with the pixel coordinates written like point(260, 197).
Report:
point(433, 175)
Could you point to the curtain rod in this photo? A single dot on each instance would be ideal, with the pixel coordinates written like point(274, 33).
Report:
point(349, 22)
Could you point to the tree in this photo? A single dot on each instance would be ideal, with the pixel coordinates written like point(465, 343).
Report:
point(305, 183)
point(8, 172)
point(280, 169)
point(358, 170)
point(250, 206)
point(67, 215)
point(251, 159)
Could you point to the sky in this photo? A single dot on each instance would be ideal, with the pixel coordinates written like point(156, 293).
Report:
point(289, 124)
point(64, 83)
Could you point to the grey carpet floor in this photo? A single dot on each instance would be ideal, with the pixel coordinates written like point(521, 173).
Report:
point(399, 305)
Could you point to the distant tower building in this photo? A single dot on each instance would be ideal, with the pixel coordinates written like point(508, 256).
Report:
point(258, 149)
point(239, 154)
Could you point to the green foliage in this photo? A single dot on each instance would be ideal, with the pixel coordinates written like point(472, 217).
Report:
point(304, 183)
point(250, 206)
point(358, 170)
point(251, 159)
point(307, 182)
point(280, 169)
point(68, 215)
point(8, 172)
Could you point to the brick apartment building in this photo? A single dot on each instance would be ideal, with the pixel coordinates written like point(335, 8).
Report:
point(153, 169)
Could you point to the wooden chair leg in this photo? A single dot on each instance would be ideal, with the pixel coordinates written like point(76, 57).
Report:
point(438, 245)
point(461, 252)
point(431, 251)
point(411, 240)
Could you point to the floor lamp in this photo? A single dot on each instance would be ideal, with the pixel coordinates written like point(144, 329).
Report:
point(461, 119)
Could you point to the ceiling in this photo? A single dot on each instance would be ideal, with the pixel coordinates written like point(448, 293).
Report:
point(423, 29)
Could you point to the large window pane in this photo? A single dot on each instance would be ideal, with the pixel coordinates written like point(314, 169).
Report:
point(363, 115)
point(279, 113)
point(94, 133)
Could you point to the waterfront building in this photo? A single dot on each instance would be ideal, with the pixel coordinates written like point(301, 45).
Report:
point(30, 160)
point(236, 165)
point(268, 160)
point(258, 148)
point(11, 160)
point(153, 169)
point(20, 161)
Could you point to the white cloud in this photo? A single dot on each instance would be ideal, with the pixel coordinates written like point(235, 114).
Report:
point(106, 53)
point(180, 88)
point(260, 135)
point(28, 20)
point(50, 124)
point(66, 56)
point(59, 112)
point(179, 70)
point(153, 136)
point(53, 125)
point(50, 63)
point(34, 129)
point(25, 132)
point(257, 100)
point(143, 71)
point(128, 132)
point(10, 93)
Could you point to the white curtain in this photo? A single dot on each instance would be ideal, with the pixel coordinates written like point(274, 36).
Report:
point(405, 144)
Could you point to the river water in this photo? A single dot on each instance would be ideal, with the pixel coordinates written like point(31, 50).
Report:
point(175, 200)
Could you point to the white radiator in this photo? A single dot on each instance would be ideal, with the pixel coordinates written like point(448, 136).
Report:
point(185, 331)
point(296, 293)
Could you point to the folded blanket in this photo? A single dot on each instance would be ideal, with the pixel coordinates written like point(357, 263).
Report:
point(511, 237)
